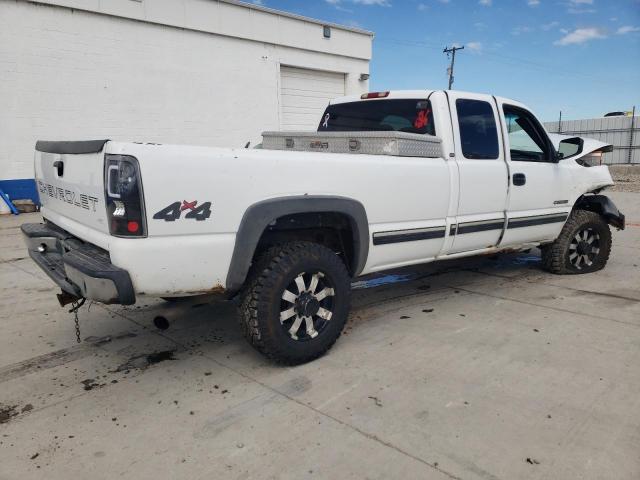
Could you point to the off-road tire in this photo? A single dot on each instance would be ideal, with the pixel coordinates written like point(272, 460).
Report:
point(556, 256)
point(260, 304)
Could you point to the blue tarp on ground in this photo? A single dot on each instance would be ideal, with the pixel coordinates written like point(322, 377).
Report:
point(21, 189)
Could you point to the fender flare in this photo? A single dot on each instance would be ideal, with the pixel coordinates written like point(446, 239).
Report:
point(259, 215)
point(602, 205)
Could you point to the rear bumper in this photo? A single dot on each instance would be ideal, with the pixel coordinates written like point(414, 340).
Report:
point(78, 268)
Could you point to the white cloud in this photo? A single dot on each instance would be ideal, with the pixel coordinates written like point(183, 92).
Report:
point(578, 7)
point(485, 3)
point(548, 26)
point(580, 11)
point(338, 6)
point(475, 47)
point(381, 3)
point(627, 29)
point(423, 6)
point(354, 24)
point(581, 35)
point(533, 3)
point(338, 3)
point(521, 29)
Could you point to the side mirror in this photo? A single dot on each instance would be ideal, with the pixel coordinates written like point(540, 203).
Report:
point(570, 147)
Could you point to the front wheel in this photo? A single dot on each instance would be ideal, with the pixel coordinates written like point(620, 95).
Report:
point(296, 302)
point(582, 247)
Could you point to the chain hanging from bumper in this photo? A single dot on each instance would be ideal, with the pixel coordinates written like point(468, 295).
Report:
point(75, 306)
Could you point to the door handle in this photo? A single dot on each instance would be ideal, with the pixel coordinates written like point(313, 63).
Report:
point(59, 166)
point(519, 179)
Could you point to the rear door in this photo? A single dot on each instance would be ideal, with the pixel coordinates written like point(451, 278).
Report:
point(482, 172)
point(69, 178)
point(409, 199)
point(539, 197)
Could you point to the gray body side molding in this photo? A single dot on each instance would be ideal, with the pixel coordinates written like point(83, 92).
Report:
point(258, 216)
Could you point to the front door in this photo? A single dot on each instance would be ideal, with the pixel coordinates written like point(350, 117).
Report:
point(482, 172)
point(538, 202)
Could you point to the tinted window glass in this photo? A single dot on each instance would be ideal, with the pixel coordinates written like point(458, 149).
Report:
point(526, 141)
point(569, 147)
point(478, 132)
point(412, 116)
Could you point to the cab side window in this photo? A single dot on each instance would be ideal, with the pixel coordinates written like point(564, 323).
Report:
point(527, 140)
point(478, 131)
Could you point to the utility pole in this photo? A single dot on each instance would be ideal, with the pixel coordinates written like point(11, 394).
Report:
point(631, 152)
point(560, 123)
point(452, 51)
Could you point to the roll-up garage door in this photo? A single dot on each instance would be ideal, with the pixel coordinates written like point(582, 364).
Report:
point(304, 94)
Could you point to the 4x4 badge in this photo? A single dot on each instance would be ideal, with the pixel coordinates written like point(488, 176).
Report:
point(173, 212)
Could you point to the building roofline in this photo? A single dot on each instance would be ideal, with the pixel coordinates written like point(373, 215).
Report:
point(204, 16)
point(294, 16)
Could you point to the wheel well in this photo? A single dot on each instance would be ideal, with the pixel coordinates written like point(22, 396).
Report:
point(604, 207)
point(332, 229)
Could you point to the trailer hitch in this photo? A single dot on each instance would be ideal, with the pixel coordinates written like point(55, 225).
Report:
point(65, 298)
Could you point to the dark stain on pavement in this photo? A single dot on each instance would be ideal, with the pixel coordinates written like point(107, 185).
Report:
point(141, 362)
point(90, 384)
point(7, 412)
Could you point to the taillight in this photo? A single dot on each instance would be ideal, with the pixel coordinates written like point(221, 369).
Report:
point(123, 195)
point(366, 96)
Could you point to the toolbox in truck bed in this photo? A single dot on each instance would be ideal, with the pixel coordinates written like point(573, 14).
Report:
point(395, 143)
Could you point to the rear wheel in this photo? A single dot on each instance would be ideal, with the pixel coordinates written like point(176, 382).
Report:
point(296, 302)
point(582, 247)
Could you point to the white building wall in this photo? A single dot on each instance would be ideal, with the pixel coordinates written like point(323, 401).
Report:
point(70, 74)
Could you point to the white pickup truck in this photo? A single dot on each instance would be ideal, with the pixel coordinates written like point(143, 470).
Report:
point(389, 179)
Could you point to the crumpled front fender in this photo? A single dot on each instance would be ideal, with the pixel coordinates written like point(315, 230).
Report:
point(602, 205)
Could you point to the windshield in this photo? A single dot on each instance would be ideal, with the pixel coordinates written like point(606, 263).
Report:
point(402, 115)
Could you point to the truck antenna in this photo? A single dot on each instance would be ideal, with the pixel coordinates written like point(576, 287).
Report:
point(451, 51)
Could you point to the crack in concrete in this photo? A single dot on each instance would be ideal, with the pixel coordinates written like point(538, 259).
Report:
point(557, 309)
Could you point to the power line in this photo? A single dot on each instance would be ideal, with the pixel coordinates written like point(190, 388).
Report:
point(551, 70)
point(452, 51)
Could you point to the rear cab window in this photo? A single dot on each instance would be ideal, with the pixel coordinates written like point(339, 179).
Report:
point(478, 130)
point(400, 115)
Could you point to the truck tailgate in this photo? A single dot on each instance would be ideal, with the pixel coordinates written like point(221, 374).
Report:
point(70, 181)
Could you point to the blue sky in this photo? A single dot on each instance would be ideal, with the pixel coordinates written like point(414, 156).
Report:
point(578, 56)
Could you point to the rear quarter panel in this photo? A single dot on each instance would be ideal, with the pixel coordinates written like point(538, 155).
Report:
point(397, 192)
